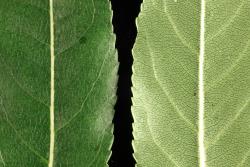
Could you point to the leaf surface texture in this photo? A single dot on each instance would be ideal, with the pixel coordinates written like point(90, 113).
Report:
point(166, 84)
point(84, 83)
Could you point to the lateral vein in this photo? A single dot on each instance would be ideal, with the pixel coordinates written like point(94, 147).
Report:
point(52, 87)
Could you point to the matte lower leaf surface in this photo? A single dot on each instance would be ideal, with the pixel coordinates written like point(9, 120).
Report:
point(58, 70)
point(191, 78)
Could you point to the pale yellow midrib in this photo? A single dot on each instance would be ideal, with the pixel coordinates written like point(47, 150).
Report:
point(52, 87)
point(201, 133)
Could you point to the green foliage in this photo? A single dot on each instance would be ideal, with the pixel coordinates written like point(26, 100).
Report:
point(85, 79)
point(165, 84)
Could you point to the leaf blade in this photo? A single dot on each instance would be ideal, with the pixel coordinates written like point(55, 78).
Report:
point(85, 79)
point(226, 78)
point(160, 98)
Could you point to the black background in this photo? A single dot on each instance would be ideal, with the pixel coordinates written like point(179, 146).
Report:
point(124, 16)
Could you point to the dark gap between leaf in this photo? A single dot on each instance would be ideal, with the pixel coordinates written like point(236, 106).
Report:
point(124, 16)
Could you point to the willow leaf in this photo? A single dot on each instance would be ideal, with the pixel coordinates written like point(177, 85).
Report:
point(57, 83)
point(191, 91)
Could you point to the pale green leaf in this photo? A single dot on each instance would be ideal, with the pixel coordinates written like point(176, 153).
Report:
point(85, 68)
point(166, 84)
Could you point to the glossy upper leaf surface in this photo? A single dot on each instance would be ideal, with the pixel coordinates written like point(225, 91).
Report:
point(165, 83)
point(85, 79)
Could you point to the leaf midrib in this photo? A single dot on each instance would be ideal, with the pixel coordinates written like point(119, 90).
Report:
point(52, 86)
